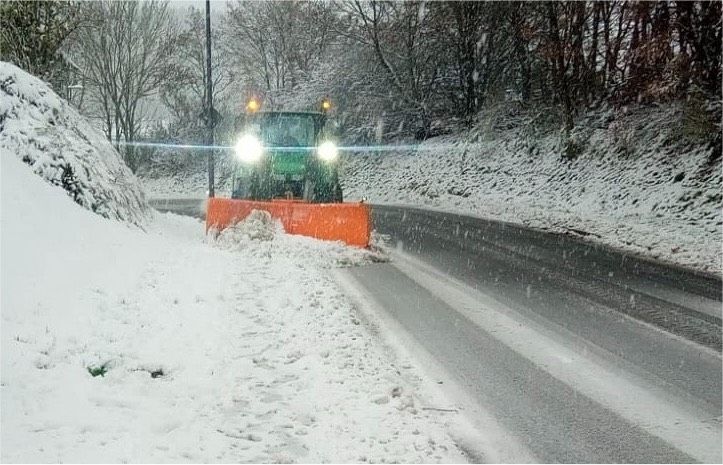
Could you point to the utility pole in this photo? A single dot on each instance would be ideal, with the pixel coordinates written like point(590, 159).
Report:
point(210, 120)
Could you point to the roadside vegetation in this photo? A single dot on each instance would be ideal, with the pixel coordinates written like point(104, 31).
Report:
point(395, 70)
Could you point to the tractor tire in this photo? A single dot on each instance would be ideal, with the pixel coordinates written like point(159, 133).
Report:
point(308, 191)
point(328, 193)
point(338, 195)
point(242, 192)
point(260, 188)
point(254, 187)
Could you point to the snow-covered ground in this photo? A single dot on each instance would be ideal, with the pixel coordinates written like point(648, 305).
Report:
point(44, 131)
point(240, 349)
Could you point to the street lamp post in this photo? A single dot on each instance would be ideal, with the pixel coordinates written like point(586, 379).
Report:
point(209, 103)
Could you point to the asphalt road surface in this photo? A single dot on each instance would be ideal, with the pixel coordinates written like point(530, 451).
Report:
point(577, 352)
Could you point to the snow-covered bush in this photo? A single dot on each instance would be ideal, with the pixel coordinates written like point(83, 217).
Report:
point(61, 146)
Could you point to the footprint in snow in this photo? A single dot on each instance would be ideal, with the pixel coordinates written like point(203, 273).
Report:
point(293, 357)
point(271, 397)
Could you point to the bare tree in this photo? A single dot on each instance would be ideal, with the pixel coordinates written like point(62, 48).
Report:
point(125, 52)
point(425, 67)
point(185, 94)
point(276, 45)
point(396, 33)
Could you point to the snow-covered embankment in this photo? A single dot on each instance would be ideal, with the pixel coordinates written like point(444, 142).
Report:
point(44, 131)
point(637, 184)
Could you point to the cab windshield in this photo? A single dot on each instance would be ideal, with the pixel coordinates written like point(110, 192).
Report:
point(287, 130)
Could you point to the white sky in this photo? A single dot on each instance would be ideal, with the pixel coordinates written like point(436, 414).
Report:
point(217, 6)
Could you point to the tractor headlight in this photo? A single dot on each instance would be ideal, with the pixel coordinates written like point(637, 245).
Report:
point(248, 149)
point(327, 151)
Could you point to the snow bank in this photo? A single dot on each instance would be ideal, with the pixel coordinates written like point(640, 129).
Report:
point(637, 183)
point(45, 132)
point(200, 354)
point(265, 238)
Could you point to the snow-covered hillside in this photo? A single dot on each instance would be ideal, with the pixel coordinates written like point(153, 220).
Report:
point(41, 129)
point(637, 183)
point(243, 350)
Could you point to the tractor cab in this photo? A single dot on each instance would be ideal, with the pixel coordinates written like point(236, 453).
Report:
point(285, 155)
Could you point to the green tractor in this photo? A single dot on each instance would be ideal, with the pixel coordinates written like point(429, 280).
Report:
point(288, 166)
point(286, 155)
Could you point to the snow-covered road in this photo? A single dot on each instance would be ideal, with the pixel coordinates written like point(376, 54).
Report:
point(234, 351)
point(554, 274)
point(530, 334)
point(535, 331)
point(545, 391)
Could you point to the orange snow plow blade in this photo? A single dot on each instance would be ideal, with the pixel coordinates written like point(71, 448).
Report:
point(346, 222)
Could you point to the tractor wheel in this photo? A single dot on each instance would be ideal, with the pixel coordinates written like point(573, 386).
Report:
point(308, 191)
point(254, 187)
point(323, 193)
point(240, 188)
point(328, 193)
point(338, 195)
point(241, 192)
point(260, 188)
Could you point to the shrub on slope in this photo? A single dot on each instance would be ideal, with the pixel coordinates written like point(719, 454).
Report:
point(61, 146)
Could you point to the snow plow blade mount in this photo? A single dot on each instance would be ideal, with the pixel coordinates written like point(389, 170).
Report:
point(346, 222)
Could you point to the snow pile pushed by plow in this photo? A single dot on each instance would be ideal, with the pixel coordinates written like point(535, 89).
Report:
point(42, 130)
point(125, 346)
point(264, 237)
point(258, 226)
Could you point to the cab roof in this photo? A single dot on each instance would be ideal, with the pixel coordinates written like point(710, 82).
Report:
point(281, 112)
